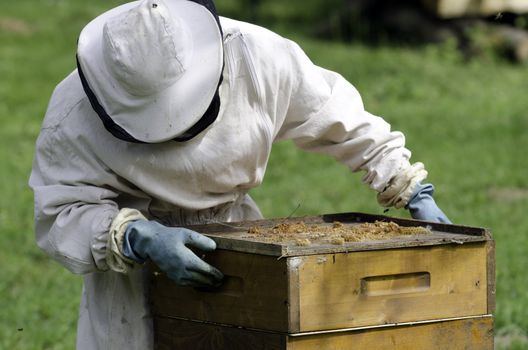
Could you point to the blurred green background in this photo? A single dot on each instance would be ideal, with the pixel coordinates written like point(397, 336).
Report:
point(466, 119)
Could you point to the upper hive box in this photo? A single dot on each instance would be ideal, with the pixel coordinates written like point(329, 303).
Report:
point(339, 271)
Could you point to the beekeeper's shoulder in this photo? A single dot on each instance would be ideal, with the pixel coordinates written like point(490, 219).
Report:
point(66, 97)
point(261, 41)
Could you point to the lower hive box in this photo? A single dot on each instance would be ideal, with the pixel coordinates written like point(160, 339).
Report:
point(466, 333)
point(296, 278)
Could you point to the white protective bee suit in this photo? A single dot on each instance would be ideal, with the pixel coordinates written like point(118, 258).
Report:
point(83, 176)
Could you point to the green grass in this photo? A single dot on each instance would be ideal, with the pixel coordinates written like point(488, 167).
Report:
point(466, 120)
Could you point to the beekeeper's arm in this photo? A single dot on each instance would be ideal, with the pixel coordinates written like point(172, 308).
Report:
point(324, 113)
point(79, 224)
point(72, 217)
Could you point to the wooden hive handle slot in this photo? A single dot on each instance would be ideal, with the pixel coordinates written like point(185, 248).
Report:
point(231, 286)
point(403, 283)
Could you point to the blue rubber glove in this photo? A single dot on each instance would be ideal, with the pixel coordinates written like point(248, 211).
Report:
point(167, 248)
point(423, 207)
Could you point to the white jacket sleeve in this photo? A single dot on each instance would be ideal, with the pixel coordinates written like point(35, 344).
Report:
point(324, 113)
point(72, 216)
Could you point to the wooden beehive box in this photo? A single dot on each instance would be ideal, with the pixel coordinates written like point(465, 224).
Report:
point(297, 294)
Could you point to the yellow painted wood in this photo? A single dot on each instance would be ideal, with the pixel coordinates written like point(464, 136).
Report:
point(391, 286)
point(469, 334)
point(336, 291)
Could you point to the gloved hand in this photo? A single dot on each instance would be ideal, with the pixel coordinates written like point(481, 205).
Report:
point(167, 248)
point(423, 207)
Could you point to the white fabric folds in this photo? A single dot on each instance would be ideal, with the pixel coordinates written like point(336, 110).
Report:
point(153, 65)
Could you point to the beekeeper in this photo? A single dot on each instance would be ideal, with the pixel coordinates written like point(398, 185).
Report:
point(169, 120)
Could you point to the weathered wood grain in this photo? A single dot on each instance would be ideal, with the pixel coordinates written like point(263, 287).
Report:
point(490, 249)
point(254, 295)
point(392, 286)
point(174, 334)
point(235, 237)
point(469, 334)
point(332, 291)
point(279, 287)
